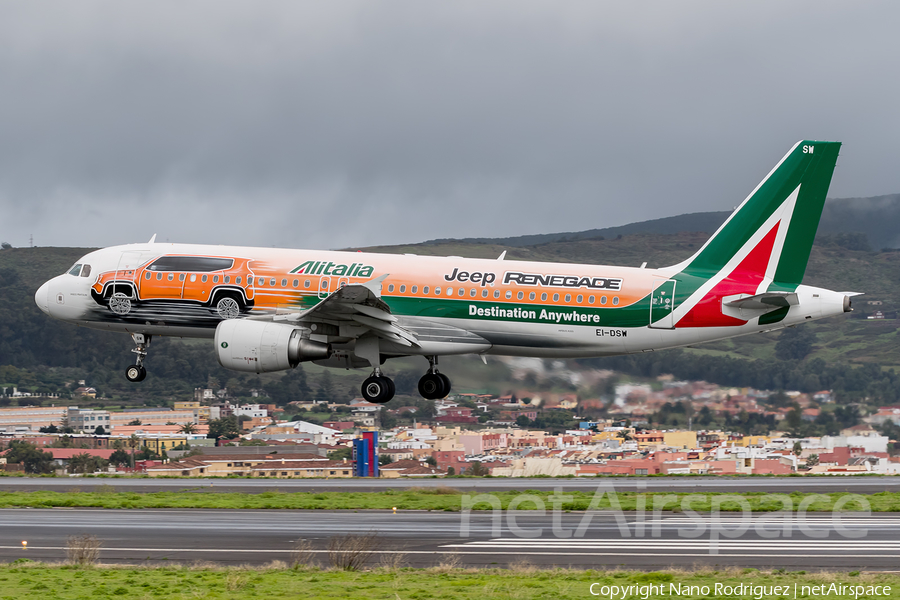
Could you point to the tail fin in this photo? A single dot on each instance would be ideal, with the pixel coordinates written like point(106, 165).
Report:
point(771, 233)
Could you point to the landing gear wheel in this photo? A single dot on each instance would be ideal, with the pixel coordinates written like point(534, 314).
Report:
point(446, 381)
point(228, 308)
point(433, 386)
point(119, 303)
point(135, 373)
point(378, 389)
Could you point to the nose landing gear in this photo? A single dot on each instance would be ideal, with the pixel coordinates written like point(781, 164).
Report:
point(434, 385)
point(137, 372)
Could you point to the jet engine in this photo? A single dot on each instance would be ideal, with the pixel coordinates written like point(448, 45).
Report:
point(262, 346)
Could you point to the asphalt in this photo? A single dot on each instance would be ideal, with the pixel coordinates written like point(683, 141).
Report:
point(825, 484)
point(845, 541)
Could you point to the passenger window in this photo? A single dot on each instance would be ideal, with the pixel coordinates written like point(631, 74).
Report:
point(171, 276)
point(296, 283)
point(556, 297)
point(484, 293)
point(462, 291)
point(414, 289)
point(391, 288)
point(181, 277)
point(568, 297)
point(148, 275)
point(579, 299)
point(227, 279)
point(193, 277)
point(86, 271)
point(531, 296)
point(508, 294)
point(615, 300)
point(262, 281)
point(473, 293)
point(272, 282)
point(449, 291)
point(159, 276)
point(215, 279)
point(520, 295)
point(284, 283)
point(544, 297)
point(306, 283)
point(437, 291)
point(237, 280)
point(75, 270)
point(602, 299)
point(425, 290)
point(590, 299)
point(203, 278)
point(496, 293)
point(402, 289)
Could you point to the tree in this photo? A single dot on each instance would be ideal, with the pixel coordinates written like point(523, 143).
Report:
point(795, 343)
point(387, 420)
point(798, 448)
point(119, 458)
point(135, 422)
point(51, 429)
point(188, 428)
point(384, 459)
point(226, 427)
point(292, 386)
point(85, 463)
point(5, 245)
point(812, 460)
point(478, 470)
point(523, 421)
point(33, 459)
point(341, 454)
point(326, 388)
point(98, 430)
point(451, 471)
point(431, 461)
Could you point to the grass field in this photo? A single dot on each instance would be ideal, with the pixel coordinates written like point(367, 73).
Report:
point(35, 580)
point(448, 499)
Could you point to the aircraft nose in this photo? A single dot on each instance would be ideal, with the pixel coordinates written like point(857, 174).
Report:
point(41, 297)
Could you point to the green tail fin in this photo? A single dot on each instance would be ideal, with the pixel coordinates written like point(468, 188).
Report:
point(791, 196)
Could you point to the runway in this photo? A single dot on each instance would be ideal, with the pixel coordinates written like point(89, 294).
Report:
point(825, 484)
point(586, 540)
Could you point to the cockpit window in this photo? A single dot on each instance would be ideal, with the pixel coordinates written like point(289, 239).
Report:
point(86, 271)
point(75, 270)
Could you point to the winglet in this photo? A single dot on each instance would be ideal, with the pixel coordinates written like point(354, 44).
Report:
point(374, 285)
point(153, 239)
point(502, 255)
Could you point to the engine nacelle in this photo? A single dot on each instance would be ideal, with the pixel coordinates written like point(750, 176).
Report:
point(262, 347)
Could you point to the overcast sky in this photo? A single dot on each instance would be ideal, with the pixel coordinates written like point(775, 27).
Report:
point(334, 124)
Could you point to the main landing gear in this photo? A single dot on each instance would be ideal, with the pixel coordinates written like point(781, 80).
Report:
point(378, 388)
point(434, 385)
point(137, 372)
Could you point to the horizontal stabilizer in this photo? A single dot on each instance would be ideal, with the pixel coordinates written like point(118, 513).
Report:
point(766, 301)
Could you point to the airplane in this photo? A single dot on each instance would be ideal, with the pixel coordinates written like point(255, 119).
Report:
point(271, 309)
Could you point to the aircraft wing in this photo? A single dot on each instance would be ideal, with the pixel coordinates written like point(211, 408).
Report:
point(358, 306)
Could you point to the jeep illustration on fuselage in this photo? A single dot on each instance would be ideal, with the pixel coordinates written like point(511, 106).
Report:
point(224, 284)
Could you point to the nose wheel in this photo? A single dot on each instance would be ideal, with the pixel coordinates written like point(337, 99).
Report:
point(137, 372)
point(378, 388)
point(434, 385)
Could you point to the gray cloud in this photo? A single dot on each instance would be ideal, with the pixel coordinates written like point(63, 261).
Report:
point(341, 123)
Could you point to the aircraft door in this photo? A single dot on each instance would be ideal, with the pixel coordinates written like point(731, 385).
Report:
point(662, 304)
point(126, 270)
point(324, 284)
